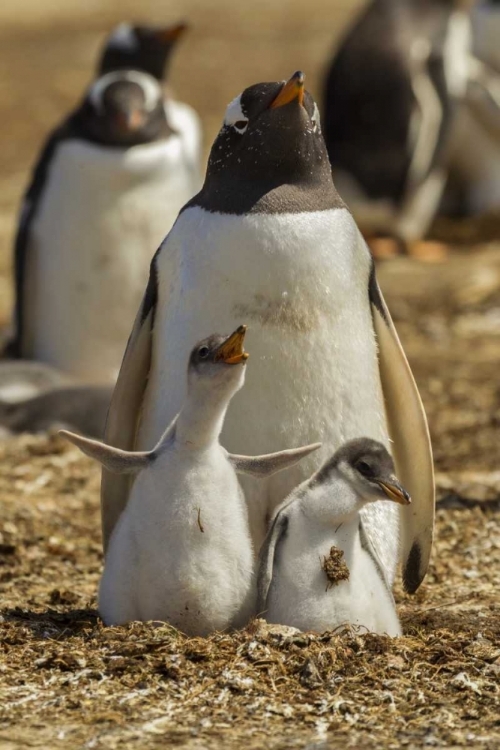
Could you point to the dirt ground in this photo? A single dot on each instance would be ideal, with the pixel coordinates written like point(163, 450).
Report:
point(65, 680)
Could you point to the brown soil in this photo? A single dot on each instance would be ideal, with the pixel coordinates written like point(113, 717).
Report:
point(65, 679)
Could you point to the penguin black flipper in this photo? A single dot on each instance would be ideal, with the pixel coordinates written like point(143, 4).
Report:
point(411, 446)
point(267, 557)
point(126, 403)
point(31, 202)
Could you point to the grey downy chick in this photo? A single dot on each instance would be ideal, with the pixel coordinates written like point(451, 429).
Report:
point(324, 512)
point(181, 550)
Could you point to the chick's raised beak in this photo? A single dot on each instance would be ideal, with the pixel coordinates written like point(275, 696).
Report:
point(231, 352)
point(395, 491)
point(292, 89)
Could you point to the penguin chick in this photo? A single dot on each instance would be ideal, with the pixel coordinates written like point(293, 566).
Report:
point(323, 512)
point(181, 550)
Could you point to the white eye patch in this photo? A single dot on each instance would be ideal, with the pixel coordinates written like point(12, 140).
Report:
point(234, 117)
point(123, 37)
point(315, 120)
point(149, 85)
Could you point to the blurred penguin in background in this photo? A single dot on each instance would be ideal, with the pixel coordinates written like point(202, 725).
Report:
point(390, 101)
point(474, 180)
point(149, 49)
point(106, 189)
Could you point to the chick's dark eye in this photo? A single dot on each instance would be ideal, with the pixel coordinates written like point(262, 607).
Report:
point(240, 124)
point(203, 352)
point(364, 468)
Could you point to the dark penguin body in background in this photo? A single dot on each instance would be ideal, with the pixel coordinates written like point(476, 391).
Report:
point(106, 188)
point(269, 240)
point(474, 184)
point(390, 99)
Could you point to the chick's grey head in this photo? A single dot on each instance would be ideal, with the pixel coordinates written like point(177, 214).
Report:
point(270, 139)
point(219, 361)
point(368, 467)
point(146, 48)
point(123, 109)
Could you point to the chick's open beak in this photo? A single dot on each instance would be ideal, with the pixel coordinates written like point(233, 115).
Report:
point(231, 352)
point(292, 89)
point(395, 491)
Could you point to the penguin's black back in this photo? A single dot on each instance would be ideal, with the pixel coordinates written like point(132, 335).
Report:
point(369, 102)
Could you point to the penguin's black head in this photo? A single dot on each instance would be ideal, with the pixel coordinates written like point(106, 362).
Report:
point(146, 48)
point(270, 139)
point(123, 109)
point(367, 465)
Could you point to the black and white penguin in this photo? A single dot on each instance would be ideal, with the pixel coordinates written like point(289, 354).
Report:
point(149, 49)
point(146, 48)
point(390, 100)
point(474, 183)
point(107, 186)
point(268, 239)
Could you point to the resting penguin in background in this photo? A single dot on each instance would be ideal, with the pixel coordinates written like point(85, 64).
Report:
point(181, 551)
point(82, 408)
point(108, 185)
point(324, 512)
point(268, 238)
point(390, 99)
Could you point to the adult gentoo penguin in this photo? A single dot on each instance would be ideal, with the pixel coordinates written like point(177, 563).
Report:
point(269, 239)
point(149, 49)
point(146, 48)
point(181, 551)
point(108, 185)
point(323, 512)
point(390, 101)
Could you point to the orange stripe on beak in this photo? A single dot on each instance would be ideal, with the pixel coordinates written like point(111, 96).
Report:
point(293, 89)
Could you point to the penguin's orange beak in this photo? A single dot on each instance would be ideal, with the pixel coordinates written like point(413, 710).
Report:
point(395, 491)
point(292, 89)
point(171, 33)
point(129, 122)
point(231, 352)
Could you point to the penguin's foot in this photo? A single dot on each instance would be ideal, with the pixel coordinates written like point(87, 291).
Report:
point(428, 251)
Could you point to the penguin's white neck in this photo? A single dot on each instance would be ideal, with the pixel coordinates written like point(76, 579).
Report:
point(201, 419)
point(333, 503)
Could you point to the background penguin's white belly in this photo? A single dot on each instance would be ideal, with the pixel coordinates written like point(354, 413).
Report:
point(100, 221)
point(300, 282)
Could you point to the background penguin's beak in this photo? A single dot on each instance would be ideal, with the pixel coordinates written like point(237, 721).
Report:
point(130, 121)
point(231, 352)
point(171, 33)
point(292, 89)
point(395, 491)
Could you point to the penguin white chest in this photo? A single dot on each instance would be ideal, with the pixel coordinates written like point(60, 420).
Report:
point(102, 215)
point(181, 551)
point(300, 282)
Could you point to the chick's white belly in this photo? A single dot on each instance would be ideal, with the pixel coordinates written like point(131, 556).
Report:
point(186, 557)
point(89, 252)
point(302, 596)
